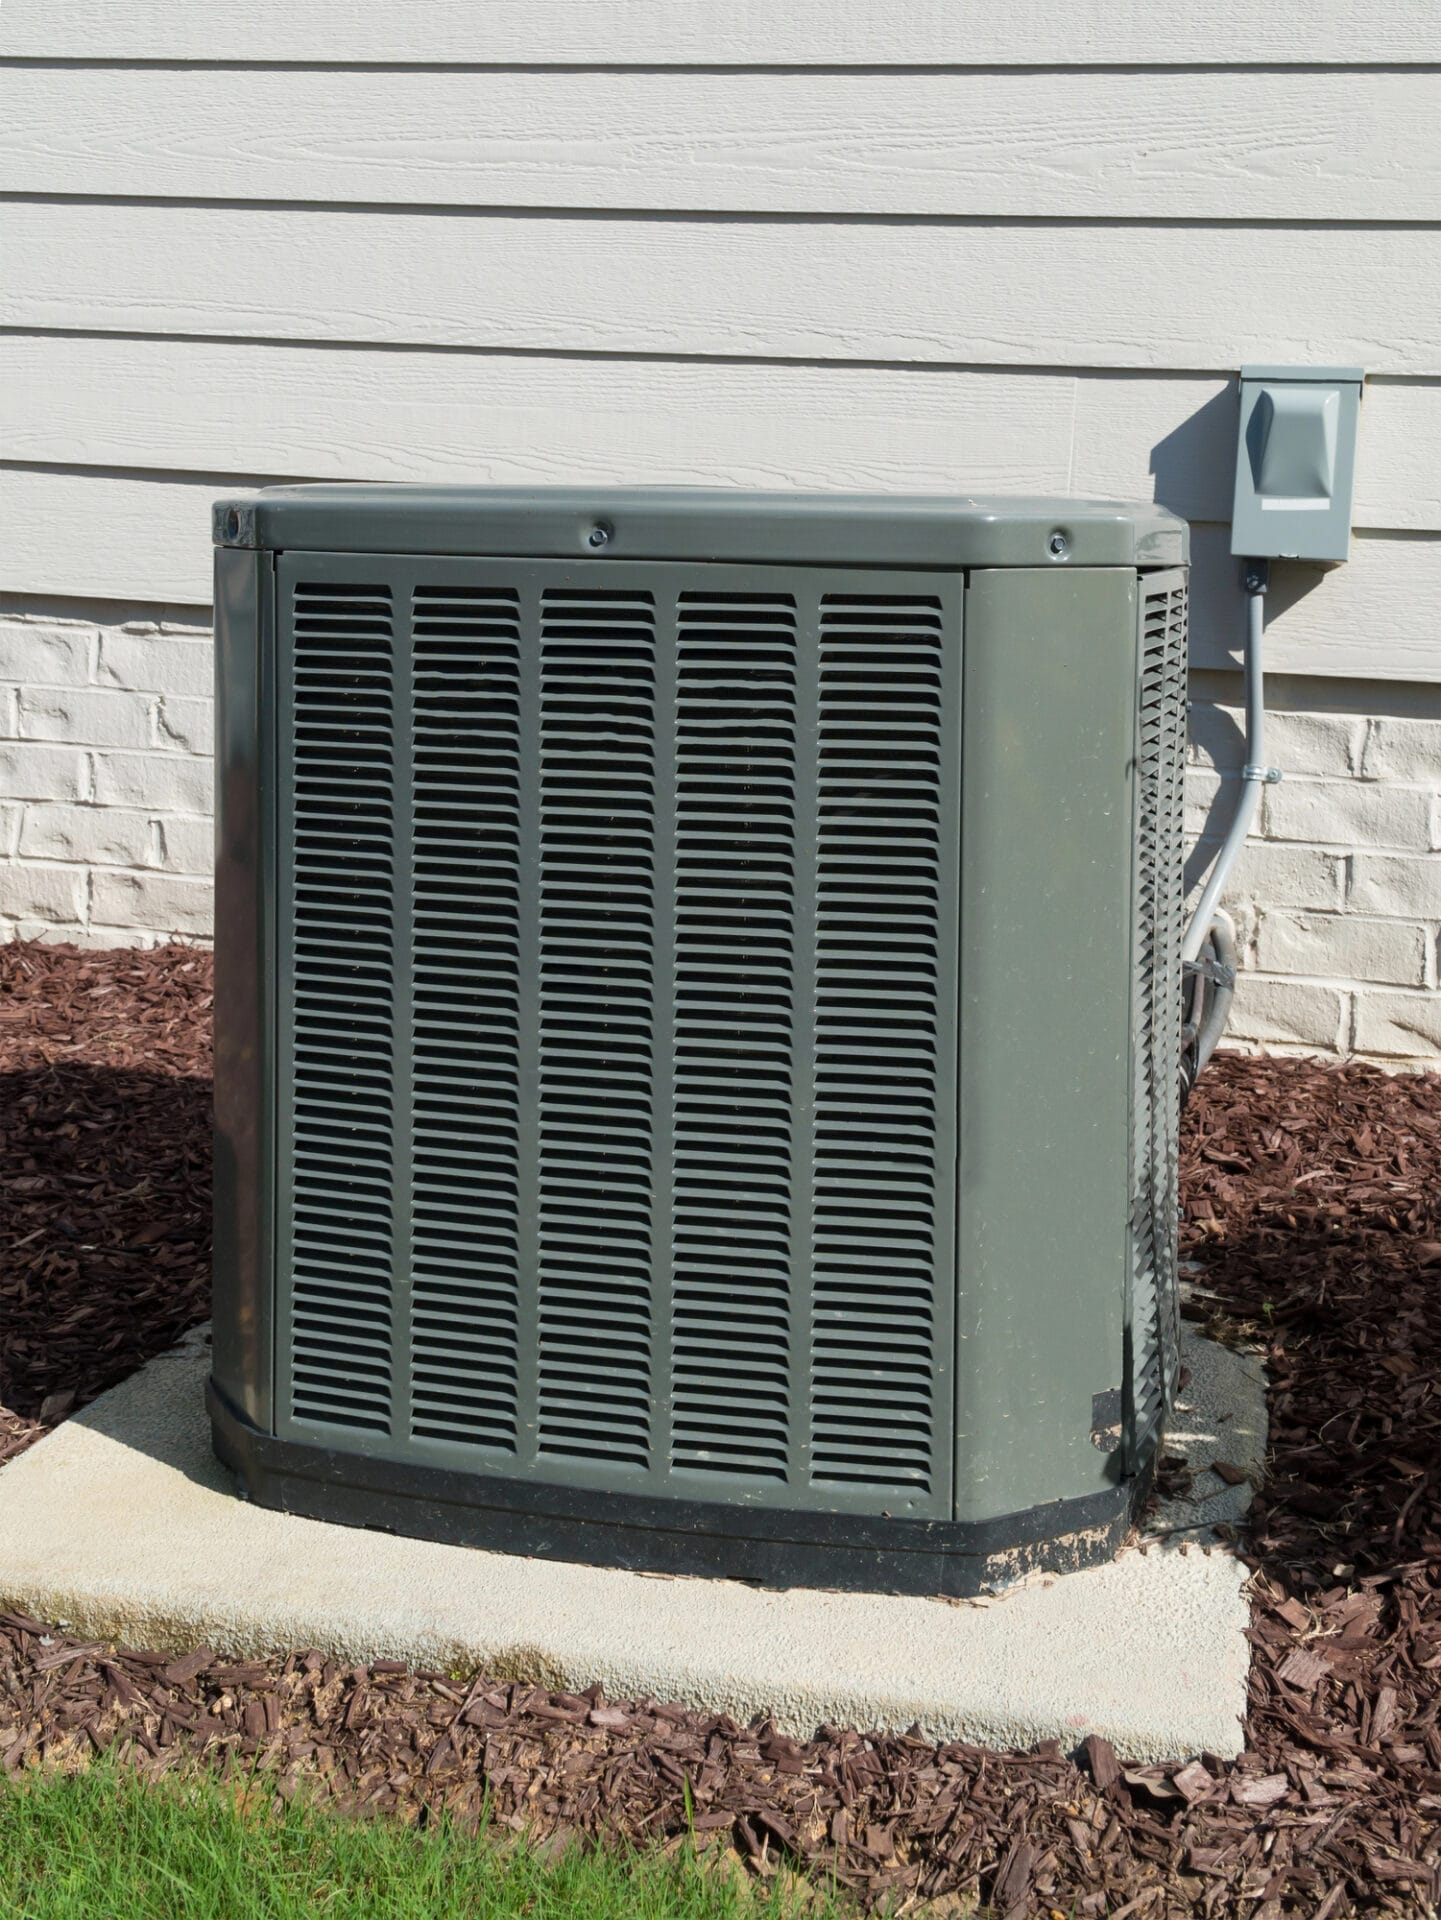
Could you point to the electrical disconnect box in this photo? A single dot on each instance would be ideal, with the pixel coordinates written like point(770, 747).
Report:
point(1295, 463)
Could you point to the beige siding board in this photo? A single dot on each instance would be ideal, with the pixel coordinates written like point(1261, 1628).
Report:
point(1205, 145)
point(124, 536)
point(1374, 618)
point(1130, 297)
point(104, 536)
point(357, 414)
point(736, 33)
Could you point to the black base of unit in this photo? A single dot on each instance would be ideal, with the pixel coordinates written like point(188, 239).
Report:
point(855, 1553)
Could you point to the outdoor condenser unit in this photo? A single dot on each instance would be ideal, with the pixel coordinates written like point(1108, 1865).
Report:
point(698, 1005)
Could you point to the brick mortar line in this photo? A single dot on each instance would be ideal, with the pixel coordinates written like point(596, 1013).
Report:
point(1351, 916)
point(1387, 847)
point(1337, 982)
point(151, 811)
point(87, 863)
point(106, 688)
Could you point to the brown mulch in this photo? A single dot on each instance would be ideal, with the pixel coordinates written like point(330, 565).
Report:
point(104, 1170)
point(1313, 1219)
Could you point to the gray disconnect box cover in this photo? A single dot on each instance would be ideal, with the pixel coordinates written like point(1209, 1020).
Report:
point(1295, 463)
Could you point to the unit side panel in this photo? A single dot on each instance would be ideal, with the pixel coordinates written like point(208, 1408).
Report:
point(244, 1001)
point(618, 1024)
point(1048, 771)
point(1152, 1319)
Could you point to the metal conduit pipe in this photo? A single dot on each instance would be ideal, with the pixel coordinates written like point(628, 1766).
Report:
point(1218, 1009)
point(1254, 775)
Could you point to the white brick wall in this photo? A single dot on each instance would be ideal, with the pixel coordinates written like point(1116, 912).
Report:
point(105, 782)
point(1338, 899)
point(105, 830)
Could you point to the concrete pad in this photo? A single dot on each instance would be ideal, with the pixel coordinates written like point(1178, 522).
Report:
point(122, 1524)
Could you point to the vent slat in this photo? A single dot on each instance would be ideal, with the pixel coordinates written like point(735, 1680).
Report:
point(736, 776)
point(877, 937)
point(340, 1250)
point(597, 939)
point(466, 650)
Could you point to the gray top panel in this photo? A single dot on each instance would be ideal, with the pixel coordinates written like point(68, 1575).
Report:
point(702, 523)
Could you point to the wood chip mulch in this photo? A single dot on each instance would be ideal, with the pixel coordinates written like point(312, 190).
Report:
point(104, 1170)
point(1313, 1225)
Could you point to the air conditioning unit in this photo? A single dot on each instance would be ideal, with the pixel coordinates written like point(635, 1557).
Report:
point(698, 1004)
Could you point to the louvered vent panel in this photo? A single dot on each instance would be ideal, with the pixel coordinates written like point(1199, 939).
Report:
point(341, 1089)
point(621, 928)
point(465, 1229)
point(735, 959)
point(597, 934)
point(1157, 999)
point(877, 1039)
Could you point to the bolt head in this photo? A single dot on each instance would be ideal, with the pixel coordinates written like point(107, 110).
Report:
point(1059, 545)
point(599, 535)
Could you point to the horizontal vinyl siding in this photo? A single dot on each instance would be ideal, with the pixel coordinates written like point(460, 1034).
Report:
point(680, 242)
point(1285, 146)
point(1081, 294)
point(724, 32)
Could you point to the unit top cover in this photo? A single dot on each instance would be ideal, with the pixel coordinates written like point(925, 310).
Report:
point(704, 523)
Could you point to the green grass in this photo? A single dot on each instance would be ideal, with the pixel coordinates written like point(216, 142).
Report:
point(106, 1845)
